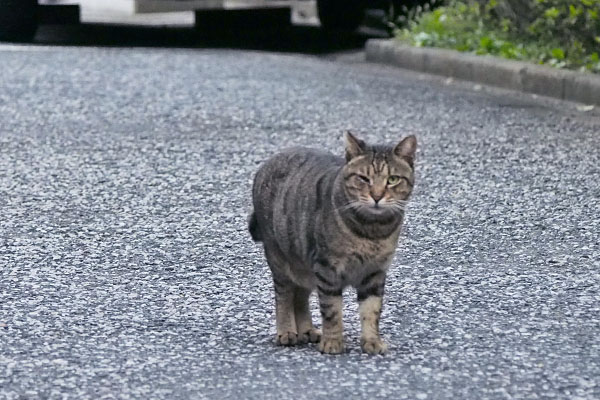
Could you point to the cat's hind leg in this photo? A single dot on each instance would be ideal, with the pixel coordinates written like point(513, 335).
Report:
point(306, 331)
point(287, 333)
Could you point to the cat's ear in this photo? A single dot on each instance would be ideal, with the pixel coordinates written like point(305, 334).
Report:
point(407, 149)
point(354, 146)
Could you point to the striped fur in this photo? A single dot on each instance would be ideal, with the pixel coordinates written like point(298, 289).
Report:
point(327, 223)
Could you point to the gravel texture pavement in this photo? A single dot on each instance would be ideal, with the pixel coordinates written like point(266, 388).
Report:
point(126, 270)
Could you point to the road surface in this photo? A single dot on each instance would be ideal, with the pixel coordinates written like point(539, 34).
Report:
point(126, 270)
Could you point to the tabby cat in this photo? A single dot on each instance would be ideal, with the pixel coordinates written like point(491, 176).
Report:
point(326, 223)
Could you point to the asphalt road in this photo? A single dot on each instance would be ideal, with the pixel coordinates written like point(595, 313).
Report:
point(126, 270)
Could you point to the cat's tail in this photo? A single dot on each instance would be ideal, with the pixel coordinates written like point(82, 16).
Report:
point(254, 228)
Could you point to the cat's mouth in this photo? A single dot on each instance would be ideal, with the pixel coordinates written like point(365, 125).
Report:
point(381, 210)
point(378, 210)
point(379, 206)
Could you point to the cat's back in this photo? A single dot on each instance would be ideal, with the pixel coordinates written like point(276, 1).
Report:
point(290, 183)
point(291, 165)
point(291, 159)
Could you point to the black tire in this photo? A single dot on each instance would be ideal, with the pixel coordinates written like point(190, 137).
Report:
point(18, 20)
point(341, 14)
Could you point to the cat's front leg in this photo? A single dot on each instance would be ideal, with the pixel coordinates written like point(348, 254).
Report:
point(332, 339)
point(370, 299)
point(330, 304)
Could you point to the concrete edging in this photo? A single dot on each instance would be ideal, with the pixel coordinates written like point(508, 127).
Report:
point(515, 75)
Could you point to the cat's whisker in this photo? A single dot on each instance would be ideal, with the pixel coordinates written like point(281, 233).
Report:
point(349, 206)
point(398, 207)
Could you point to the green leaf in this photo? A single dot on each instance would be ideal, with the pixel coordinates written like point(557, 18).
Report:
point(485, 42)
point(574, 11)
point(552, 12)
point(558, 53)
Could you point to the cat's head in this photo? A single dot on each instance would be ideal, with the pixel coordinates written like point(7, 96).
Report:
point(378, 180)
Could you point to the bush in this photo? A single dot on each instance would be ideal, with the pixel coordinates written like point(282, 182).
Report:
point(561, 33)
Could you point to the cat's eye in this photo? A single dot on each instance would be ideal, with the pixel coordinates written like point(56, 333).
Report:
point(393, 180)
point(364, 178)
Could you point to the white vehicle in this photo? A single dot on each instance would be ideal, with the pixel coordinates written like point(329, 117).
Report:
point(19, 19)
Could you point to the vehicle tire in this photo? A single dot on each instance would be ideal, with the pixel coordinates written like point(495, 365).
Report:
point(18, 20)
point(341, 14)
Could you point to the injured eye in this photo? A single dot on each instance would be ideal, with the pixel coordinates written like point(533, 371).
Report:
point(363, 178)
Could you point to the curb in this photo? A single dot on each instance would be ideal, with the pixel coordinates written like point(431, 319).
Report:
point(488, 70)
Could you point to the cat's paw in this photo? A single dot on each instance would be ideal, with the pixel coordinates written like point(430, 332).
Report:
point(287, 339)
point(311, 336)
point(373, 346)
point(331, 345)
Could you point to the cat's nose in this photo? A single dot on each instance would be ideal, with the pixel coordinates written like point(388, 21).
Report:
point(377, 196)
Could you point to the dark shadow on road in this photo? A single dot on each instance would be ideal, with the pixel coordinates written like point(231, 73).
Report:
point(295, 38)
